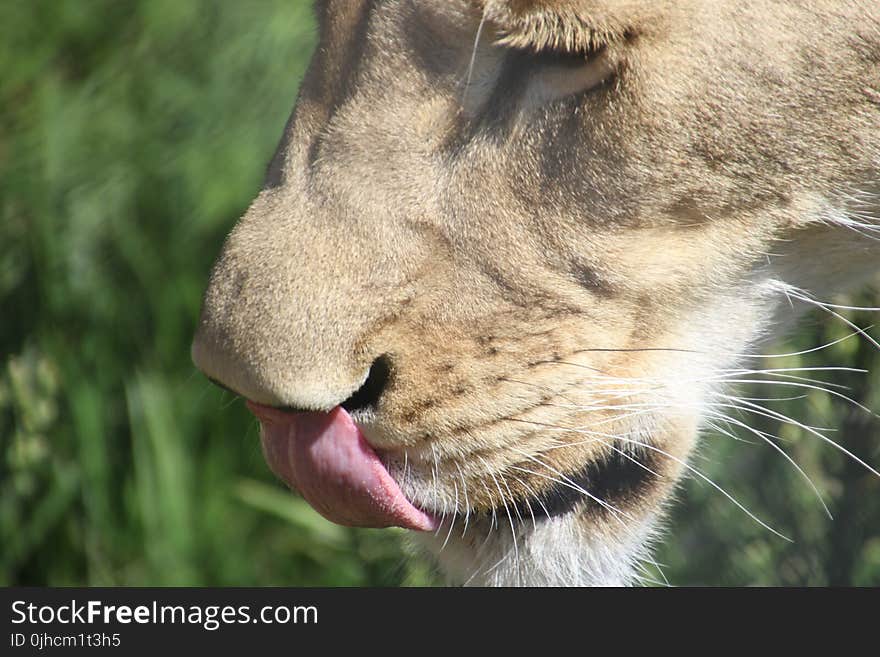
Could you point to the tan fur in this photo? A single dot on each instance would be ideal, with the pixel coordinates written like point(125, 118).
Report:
point(522, 243)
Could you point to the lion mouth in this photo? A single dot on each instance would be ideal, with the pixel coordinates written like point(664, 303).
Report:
point(326, 458)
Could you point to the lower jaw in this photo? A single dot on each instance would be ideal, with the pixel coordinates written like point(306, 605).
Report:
point(568, 550)
point(607, 486)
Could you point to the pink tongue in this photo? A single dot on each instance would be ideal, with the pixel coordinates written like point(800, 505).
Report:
point(326, 458)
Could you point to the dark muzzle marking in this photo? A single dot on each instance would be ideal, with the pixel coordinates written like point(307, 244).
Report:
point(617, 480)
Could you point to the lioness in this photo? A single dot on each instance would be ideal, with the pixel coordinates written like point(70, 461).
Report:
point(508, 251)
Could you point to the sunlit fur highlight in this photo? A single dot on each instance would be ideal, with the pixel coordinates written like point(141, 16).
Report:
point(571, 227)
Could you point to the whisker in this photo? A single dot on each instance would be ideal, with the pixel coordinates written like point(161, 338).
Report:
point(796, 384)
point(766, 438)
point(656, 565)
point(757, 409)
point(685, 465)
point(467, 505)
point(565, 481)
point(791, 291)
point(473, 60)
point(711, 483)
point(506, 510)
point(821, 436)
point(532, 495)
point(452, 520)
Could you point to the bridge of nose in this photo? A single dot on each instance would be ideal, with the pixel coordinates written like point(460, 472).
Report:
point(291, 304)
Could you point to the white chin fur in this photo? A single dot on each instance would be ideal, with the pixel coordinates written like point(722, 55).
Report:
point(555, 552)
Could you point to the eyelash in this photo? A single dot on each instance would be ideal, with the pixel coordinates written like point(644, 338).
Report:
point(561, 58)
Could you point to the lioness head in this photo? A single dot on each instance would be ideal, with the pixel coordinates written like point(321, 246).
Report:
point(508, 250)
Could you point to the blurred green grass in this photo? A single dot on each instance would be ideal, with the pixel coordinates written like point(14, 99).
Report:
point(132, 135)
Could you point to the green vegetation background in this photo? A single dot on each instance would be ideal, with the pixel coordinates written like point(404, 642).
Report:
point(132, 135)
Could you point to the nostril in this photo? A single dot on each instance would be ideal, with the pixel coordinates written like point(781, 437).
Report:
point(367, 396)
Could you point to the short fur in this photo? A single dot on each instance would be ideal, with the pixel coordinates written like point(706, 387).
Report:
point(557, 221)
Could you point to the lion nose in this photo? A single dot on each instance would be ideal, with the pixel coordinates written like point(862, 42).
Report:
point(247, 361)
point(285, 325)
point(364, 398)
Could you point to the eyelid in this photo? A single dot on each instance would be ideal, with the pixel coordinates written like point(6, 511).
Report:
point(558, 80)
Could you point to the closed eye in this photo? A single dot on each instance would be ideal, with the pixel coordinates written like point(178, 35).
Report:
point(560, 75)
point(505, 82)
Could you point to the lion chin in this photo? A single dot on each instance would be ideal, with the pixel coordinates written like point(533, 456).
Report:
point(510, 253)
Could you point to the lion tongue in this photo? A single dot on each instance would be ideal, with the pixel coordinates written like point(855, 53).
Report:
point(326, 458)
